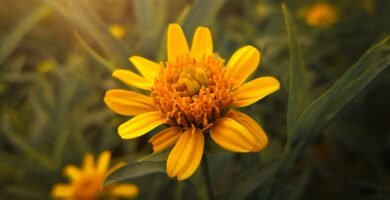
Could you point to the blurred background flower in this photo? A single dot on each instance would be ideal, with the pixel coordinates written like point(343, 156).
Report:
point(86, 182)
point(117, 30)
point(321, 14)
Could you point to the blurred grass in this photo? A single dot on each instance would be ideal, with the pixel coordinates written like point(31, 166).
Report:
point(14, 37)
point(51, 118)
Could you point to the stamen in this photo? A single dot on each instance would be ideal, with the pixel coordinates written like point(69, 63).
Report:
point(192, 93)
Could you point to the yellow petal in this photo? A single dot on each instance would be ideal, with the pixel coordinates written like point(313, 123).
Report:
point(253, 127)
point(126, 102)
point(89, 164)
point(197, 153)
point(140, 125)
point(61, 191)
point(103, 161)
point(125, 190)
point(176, 152)
point(185, 157)
point(132, 79)
point(177, 42)
point(232, 135)
point(243, 63)
point(202, 43)
point(72, 172)
point(165, 138)
point(147, 68)
point(255, 90)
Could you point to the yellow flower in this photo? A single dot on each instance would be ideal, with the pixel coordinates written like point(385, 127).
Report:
point(117, 31)
point(86, 182)
point(321, 14)
point(192, 93)
point(46, 66)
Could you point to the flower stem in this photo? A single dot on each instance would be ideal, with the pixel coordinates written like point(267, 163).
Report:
point(206, 177)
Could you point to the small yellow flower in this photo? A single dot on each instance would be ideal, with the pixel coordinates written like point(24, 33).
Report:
point(192, 93)
point(264, 9)
point(86, 182)
point(45, 66)
point(118, 31)
point(321, 14)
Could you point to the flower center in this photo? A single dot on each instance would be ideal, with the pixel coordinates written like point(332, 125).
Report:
point(193, 92)
point(88, 187)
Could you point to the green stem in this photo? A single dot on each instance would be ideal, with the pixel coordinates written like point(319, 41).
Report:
point(206, 177)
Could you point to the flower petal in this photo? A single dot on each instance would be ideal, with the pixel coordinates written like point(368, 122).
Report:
point(255, 90)
point(61, 191)
point(197, 153)
point(132, 79)
point(243, 63)
point(165, 138)
point(146, 67)
point(176, 153)
point(125, 190)
point(232, 135)
point(126, 102)
point(88, 164)
point(177, 42)
point(103, 161)
point(140, 125)
point(253, 127)
point(202, 43)
point(185, 157)
point(72, 172)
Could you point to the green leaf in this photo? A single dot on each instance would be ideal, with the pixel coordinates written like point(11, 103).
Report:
point(94, 54)
point(202, 12)
point(151, 16)
point(322, 110)
point(151, 19)
point(157, 157)
point(83, 16)
point(15, 36)
point(297, 97)
point(25, 147)
point(133, 170)
point(296, 192)
point(249, 181)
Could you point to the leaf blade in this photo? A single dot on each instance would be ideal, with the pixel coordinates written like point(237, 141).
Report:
point(202, 12)
point(298, 93)
point(11, 41)
point(246, 183)
point(322, 110)
point(133, 170)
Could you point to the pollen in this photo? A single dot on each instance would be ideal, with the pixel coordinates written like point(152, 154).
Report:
point(193, 93)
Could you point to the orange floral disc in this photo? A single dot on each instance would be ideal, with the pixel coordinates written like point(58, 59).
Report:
point(193, 92)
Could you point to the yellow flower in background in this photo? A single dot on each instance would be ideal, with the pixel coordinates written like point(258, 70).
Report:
point(45, 66)
point(321, 14)
point(86, 182)
point(117, 31)
point(192, 93)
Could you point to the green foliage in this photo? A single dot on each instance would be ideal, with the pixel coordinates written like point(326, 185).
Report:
point(298, 94)
point(16, 34)
point(327, 125)
point(133, 170)
point(323, 109)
